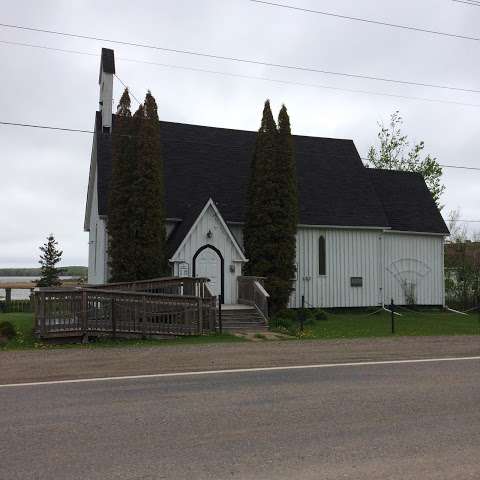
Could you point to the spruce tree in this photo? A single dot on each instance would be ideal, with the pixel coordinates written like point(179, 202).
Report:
point(272, 209)
point(120, 248)
point(51, 255)
point(148, 205)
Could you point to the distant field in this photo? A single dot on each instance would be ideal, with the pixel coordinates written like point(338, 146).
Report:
point(70, 271)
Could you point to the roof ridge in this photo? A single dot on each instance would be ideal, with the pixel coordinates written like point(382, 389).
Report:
point(227, 129)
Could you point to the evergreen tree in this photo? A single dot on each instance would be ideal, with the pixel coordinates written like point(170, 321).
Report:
point(286, 216)
point(120, 247)
point(272, 209)
point(51, 255)
point(258, 224)
point(148, 202)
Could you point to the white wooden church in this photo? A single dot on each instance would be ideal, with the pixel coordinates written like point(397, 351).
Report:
point(365, 235)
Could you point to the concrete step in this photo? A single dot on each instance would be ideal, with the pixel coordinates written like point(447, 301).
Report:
point(240, 313)
point(250, 327)
point(246, 318)
point(233, 326)
point(243, 319)
point(252, 316)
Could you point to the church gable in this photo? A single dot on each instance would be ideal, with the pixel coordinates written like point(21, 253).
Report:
point(208, 228)
point(208, 249)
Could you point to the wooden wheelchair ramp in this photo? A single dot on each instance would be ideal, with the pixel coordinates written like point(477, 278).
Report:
point(141, 308)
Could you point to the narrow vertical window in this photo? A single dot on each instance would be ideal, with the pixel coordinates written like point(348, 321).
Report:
point(321, 256)
point(95, 250)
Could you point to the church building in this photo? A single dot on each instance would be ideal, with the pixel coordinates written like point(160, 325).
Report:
point(364, 235)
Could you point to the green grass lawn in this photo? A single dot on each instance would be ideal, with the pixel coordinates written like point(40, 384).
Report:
point(355, 325)
point(23, 323)
point(336, 325)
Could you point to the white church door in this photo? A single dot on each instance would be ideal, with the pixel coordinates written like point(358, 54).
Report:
point(208, 264)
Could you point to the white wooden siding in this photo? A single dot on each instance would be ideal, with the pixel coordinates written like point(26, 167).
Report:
point(97, 242)
point(222, 241)
point(416, 259)
point(382, 258)
point(349, 253)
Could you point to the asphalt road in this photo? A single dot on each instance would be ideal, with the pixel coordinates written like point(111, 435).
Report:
point(391, 421)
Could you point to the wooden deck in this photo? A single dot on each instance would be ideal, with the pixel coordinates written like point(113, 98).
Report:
point(138, 308)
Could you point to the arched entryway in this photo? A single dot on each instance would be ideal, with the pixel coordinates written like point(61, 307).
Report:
point(208, 262)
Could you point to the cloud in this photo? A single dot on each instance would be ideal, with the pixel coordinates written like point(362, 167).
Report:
point(44, 174)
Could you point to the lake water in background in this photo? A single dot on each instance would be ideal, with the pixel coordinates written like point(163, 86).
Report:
point(21, 294)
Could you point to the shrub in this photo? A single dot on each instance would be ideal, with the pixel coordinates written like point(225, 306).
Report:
point(282, 323)
point(318, 314)
point(7, 330)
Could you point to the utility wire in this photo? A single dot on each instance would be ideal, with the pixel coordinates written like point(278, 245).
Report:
point(368, 20)
point(250, 77)
point(127, 87)
point(462, 167)
point(241, 60)
point(468, 2)
point(48, 127)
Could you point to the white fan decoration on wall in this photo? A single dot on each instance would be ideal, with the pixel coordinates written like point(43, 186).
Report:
point(409, 272)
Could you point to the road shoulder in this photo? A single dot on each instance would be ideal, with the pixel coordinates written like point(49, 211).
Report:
point(66, 364)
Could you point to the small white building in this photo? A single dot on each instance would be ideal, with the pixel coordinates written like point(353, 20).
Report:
point(365, 236)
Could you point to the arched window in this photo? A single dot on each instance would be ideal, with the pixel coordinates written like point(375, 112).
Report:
point(322, 268)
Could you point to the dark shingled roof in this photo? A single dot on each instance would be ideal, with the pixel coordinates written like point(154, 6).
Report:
point(107, 61)
point(334, 187)
point(407, 202)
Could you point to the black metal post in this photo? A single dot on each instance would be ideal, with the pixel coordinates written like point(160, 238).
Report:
point(302, 314)
point(113, 319)
point(220, 326)
point(392, 307)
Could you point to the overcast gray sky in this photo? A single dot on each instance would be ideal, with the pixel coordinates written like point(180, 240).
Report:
point(44, 174)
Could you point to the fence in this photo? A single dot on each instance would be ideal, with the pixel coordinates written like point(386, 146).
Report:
point(16, 306)
point(126, 309)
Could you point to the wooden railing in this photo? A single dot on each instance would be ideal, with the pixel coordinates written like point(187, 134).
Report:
point(16, 306)
point(168, 285)
point(251, 292)
point(61, 312)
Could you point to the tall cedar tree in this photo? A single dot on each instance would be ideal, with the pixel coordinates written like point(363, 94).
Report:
point(272, 205)
point(148, 197)
point(286, 217)
point(51, 255)
point(120, 240)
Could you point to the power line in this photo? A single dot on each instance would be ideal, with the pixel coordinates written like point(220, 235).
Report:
point(129, 90)
point(250, 77)
point(242, 60)
point(461, 167)
point(468, 2)
point(367, 20)
point(466, 221)
point(46, 127)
